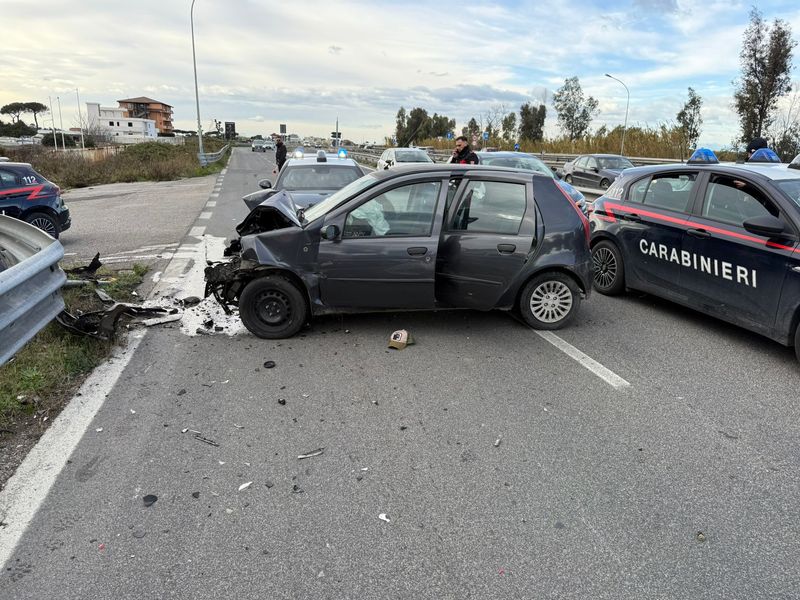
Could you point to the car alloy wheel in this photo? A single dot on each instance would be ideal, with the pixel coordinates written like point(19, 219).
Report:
point(604, 183)
point(44, 222)
point(609, 275)
point(550, 301)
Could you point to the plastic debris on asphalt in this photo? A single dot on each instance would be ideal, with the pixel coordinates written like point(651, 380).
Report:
point(244, 486)
point(400, 339)
point(383, 517)
point(311, 454)
point(269, 364)
point(150, 499)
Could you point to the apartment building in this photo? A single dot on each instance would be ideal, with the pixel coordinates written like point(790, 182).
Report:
point(147, 108)
point(120, 127)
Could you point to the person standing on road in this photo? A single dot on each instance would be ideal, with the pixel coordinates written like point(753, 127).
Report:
point(463, 154)
point(280, 154)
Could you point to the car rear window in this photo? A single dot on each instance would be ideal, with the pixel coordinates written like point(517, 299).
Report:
point(412, 156)
point(318, 177)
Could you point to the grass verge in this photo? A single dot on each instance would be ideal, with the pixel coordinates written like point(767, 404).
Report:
point(50, 368)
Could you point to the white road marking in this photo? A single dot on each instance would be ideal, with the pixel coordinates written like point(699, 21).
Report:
point(584, 360)
point(214, 195)
point(197, 231)
point(205, 215)
point(211, 204)
point(28, 487)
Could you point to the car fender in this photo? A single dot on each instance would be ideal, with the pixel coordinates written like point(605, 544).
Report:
point(39, 208)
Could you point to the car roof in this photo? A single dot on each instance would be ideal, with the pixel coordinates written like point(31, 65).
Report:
point(332, 160)
point(19, 165)
point(772, 171)
point(506, 154)
point(605, 156)
point(414, 168)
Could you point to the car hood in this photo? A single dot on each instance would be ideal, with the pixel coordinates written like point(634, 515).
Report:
point(277, 211)
point(302, 199)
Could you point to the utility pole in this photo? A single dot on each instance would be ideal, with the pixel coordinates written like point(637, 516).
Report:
point(337, 142)
point(80, 118)
point(53, 122)
point(627, 104)
point(61, 120)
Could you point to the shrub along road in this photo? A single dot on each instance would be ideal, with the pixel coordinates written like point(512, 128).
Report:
point(480, 462)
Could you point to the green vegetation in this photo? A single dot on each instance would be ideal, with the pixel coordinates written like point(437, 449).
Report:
point(51, 367)
point(151, 161)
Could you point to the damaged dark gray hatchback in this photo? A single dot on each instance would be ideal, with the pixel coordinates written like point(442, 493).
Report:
point(416, 237)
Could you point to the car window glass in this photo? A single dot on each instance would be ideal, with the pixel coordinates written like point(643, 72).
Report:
point(582, 162)
point(614, 162)
point(7, 179)
point(791, 188)
point(403, 211)
point(734, 201)
point(337, 198)
point(670, 191)
point(412, 156)
point(318, 177)
point(591, 163)
point(491, 207)
point(638, 190)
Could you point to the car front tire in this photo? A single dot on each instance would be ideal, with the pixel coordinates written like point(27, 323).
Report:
point(604, 183)
point(44, 222)
point(549, 301)
point(609, 271)
point(272, 307)
point(568, 178)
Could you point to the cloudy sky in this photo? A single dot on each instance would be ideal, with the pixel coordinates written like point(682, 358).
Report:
point(261, 63)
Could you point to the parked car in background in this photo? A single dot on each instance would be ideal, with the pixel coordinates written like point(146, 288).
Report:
point(595, 170)
point(392, 157)
point(309, 179)
point(414, 237)
point(269, 145)
point(529, 162)
point(258, 145)
point(28, 196)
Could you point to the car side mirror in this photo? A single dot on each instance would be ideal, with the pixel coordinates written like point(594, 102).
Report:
point(265, 184)
point(767, 225)
point(331, 232)
point(595, 169)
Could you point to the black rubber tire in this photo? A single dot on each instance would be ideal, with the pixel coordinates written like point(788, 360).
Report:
point(44, 222)
point(568, 178)
point(559, 299)
point(272, 307)
point(604, 183)
point(797, 342)
point(609, 270)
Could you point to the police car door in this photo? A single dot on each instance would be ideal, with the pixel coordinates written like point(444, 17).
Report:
point(12, 193)
point(729, 271)
point(651, 225)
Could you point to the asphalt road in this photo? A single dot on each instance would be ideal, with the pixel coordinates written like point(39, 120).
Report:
point(504, 467)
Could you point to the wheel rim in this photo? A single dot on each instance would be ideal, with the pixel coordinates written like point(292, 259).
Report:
point(45, 225)
point(551, 301)
point(604, 184)
point(274, 308)
point(605, 267)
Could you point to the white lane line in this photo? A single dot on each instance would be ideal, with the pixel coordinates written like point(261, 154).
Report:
point(205, 215)
point(211, 204)
point(197, 231)
point(584, 360)
point(214, 195)
point(26, 490)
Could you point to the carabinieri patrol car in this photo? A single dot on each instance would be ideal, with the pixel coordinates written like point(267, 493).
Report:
point(719, 238)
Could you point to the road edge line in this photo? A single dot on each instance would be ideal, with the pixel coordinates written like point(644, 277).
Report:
point(27, 489)
point(584, 360)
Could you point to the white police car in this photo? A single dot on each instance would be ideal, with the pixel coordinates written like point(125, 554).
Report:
point(723, 239)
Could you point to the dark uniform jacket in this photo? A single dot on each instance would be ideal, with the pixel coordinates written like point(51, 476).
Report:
point(465, 157)
point(280, 155)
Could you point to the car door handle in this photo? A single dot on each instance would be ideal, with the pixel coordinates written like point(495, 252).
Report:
point(698, 233)
point(506, 248)
point(417, 251)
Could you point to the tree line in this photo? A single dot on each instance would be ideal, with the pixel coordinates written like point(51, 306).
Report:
point(766, 64)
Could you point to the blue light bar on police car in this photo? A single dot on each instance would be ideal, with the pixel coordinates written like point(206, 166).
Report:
point(342, 153)
point(703, 156)
point(764, 155)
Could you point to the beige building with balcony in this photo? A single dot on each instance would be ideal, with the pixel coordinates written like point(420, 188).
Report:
point(147, 108)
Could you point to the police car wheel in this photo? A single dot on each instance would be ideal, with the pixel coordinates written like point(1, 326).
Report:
point(609, 273)
point(549, 301)
point(272, 307)
point(44, 222)
point(604, 183)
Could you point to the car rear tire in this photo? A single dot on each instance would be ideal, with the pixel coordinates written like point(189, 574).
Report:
point(609, 271)
point(549, 301)
point(44, 222)
point(604, 183)
point(272, 307)
point(568, 178)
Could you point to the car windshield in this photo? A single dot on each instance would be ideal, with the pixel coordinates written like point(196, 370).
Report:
point(316, 177)
point(526, 163)
point(335, 199)
point(412, 156)
point(790, 187)
point(614, 162)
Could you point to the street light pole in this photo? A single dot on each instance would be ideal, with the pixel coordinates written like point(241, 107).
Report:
point(196, 91)
point(627, 104)
point(80, 118)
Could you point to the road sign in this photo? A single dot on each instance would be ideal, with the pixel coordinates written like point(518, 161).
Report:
point(449, 135)
point(283, 128)
point(486, 135)
point(516, 146)
point(230, 130)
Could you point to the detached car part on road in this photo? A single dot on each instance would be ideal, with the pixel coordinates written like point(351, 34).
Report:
point(410, 238)
point(718, 238)
point(30, 283)
point(28, 196)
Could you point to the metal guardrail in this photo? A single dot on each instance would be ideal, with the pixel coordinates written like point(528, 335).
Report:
point(206, 158)
point(30, 283)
